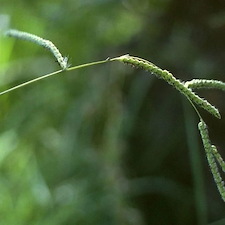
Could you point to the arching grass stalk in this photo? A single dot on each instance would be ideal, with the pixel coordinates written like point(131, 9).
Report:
point(184, 88)
point(52, 74)
point(134, 61)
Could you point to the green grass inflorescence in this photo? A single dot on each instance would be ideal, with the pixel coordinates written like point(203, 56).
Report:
point(185, 88)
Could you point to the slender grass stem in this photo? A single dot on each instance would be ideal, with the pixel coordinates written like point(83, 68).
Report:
point(52, 74)
point(87, 65)
point(30, 82)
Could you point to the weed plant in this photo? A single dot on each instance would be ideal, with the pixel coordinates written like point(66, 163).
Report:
point(215, 161)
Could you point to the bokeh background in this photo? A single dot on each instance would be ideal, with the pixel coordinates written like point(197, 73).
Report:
point(109, 144)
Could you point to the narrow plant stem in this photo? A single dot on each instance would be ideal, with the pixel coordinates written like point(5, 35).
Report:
point(52, 74)
point(196, 110)
point(88, 64)
point(30, 82)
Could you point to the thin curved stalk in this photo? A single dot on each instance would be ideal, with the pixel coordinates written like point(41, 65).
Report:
point(52, 74)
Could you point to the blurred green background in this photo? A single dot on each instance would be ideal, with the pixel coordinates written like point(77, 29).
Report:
point(109, 144)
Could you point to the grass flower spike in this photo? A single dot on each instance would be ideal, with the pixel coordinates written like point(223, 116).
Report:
point(170, 79)
point(202, 83)
point(218, 157)
point(185, 88)
point(63, 61)
point(211, 152)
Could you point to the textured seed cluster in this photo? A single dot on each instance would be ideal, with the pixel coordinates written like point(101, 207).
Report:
point(63, 61)
point(211, 154)
point(203, 83)
point(218, 157)
point(170, 79)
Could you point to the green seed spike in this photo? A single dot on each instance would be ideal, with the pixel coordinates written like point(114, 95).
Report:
point(202, 83)
point(211, 159)
point(170, 79)
point(63, 61)
point(218, 157)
